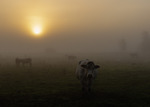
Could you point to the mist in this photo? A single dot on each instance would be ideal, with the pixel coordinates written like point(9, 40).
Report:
point(72, 53)
point(73, 27)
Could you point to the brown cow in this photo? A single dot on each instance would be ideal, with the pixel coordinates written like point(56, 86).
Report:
point(23, 61)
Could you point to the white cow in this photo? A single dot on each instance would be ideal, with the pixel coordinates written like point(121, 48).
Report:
point(86, 72)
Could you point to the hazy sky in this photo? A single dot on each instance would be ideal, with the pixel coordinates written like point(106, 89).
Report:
point(72, 25)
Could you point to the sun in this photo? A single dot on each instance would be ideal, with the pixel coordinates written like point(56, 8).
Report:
point(36, 26)
point(37, 30)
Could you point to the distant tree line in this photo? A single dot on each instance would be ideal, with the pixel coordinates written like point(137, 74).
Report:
point(144, 46)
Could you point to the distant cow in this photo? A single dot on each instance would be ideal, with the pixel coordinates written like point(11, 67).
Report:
point(86, 72)
point(23, 61)
point(71, 57)
point(133, 55)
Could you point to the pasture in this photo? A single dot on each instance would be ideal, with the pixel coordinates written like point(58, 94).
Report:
point(47, 84)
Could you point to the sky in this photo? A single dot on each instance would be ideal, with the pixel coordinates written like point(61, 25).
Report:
point(72, 26)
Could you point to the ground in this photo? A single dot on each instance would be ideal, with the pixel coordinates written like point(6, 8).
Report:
point(118, 84)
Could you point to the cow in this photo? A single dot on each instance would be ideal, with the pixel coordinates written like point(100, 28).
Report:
point(23, 61)
point(71, 57)
point(86, 72)
point(134, 55)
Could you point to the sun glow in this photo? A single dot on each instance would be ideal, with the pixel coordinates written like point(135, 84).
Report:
point(36, 25)
point(37, 30)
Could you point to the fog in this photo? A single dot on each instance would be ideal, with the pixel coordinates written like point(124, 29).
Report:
point(73, 27)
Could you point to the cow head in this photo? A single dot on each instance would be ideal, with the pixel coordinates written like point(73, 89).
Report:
point(90, 68)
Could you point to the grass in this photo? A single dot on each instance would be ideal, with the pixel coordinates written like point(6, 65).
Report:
point(118, 84)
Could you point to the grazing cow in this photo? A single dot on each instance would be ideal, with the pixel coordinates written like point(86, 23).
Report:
point(71, 57)
point(86, 72)
point(134, 55)
point(23, 61)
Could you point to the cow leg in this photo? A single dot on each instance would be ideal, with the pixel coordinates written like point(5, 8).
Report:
point(89, 86)
point(30, 64)
point(83, 85)
point(16, 64)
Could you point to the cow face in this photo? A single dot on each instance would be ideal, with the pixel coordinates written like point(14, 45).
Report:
point(90, 69)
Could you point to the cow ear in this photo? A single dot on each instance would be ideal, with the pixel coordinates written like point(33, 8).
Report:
point(97, 66)
point(84, 66)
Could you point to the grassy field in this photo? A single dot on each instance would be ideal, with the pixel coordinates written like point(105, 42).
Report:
point(118, 84)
